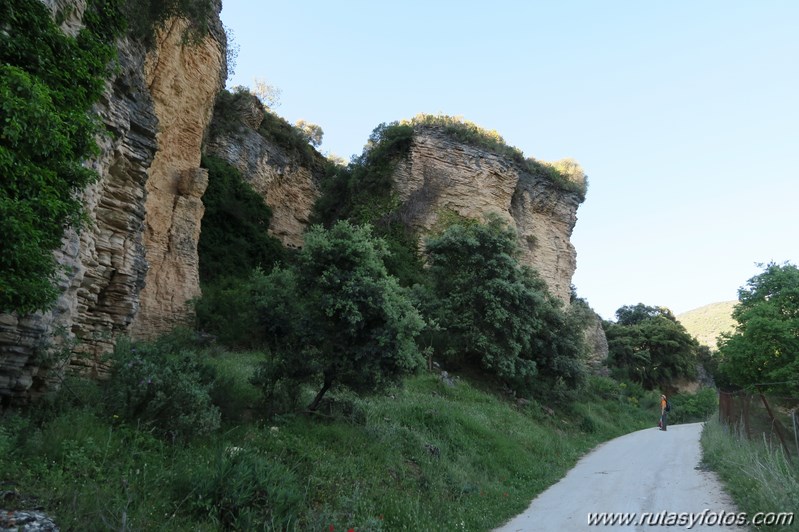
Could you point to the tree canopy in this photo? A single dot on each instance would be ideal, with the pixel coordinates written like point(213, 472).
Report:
point(764, 348)
point(649, 346)
point(496, 313)
point(338, 317)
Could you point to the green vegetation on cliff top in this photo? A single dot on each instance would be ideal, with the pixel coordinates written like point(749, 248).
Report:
point(565, 173)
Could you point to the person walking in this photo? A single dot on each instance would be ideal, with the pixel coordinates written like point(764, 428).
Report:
point(664, 412)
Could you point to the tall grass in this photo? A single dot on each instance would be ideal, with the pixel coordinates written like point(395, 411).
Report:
point(756, 473)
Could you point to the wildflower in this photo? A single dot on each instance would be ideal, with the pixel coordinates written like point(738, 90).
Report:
point(233, 451)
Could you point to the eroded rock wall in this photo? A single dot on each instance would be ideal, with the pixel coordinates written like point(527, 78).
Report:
point(104, 266)
point(288, 185)
point(442, 175)
point(183, 81)
point(149, 160)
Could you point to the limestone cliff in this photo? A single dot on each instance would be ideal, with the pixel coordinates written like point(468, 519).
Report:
point(288, 182)
point(147, 197)
point(441, 174)
point(183, 81)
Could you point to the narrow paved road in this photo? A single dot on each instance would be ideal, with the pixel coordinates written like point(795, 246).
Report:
point(645, 471)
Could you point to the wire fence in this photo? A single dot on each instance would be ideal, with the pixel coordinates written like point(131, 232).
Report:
point(763, 416)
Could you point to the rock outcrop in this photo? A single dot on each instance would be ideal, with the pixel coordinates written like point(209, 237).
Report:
point(597, 343)
point(288, 184)
point(442, 175)
point(183, 81)
point(105, 267)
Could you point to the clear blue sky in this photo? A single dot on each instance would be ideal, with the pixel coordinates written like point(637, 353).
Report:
point(684, 115)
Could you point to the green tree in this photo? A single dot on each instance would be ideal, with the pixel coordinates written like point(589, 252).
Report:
point(267, 93)
point(764, 348)
point(352, 324)
point(48, 83)
point(497, 314)
point(234, 238)
point(649, 346)
point(312, 132)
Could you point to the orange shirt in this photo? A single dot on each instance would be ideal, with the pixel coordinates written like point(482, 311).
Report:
point(662, 405)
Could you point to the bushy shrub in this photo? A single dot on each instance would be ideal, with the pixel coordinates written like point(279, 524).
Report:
point(603, 387)
point(161, 390)
point(337, 317)
point(242, 490)
point(498, 314)
point(257, 311)
point(234, 238)
point(281, 384)
point(699, 406)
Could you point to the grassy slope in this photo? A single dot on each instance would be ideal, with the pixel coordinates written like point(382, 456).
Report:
point(425, 457)
point(708, 322)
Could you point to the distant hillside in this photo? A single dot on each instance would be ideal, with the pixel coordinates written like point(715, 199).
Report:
point(706, 323)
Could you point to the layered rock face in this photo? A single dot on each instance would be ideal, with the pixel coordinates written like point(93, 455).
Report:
point(289, 186)
point(443, 175)
point(104, 266)
point(148, 194)
point(183, 81)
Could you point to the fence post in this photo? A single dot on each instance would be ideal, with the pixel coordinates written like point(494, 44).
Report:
point(776, 424)
point(795, 432)
point(745, 400)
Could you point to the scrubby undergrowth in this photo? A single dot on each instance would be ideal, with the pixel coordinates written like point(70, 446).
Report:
point(425, 456)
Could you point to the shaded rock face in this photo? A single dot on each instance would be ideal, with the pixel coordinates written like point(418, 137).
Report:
point(70, 12)
point(106, 265)
point(597, 342)
point(290, 187)
point(442, 175)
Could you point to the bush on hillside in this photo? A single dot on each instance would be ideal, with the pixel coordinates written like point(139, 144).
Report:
point(689, 408)
point(499, 315)
point(161, 388)
point(344, 320)
point(239, 489)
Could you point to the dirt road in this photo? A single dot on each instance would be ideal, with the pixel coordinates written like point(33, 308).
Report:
point(645, 471)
